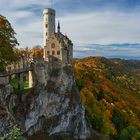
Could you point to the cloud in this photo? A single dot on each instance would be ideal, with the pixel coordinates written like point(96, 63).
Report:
point(85, 22)
point(102, 27)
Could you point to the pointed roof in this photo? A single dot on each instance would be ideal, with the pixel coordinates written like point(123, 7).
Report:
point(58, 27)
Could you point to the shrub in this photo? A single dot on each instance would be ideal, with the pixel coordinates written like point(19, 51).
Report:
point(15, 134)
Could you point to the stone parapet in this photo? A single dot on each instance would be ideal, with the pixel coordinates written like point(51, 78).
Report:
point(4, 80)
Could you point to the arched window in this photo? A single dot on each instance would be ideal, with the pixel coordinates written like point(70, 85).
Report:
point(53, 45)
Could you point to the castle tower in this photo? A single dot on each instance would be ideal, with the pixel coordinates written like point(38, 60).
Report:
point(49, 23)
point(57, 47)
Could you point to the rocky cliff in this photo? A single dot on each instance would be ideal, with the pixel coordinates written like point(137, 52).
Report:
point(57, 107)
point(52, 106)
point(7, 102)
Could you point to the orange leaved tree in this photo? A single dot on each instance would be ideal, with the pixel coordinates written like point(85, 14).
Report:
point(7, 43)
point(37, 52)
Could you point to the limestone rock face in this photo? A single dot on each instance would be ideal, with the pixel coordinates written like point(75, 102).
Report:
point(56, 107)
point(7, 102)
point(53, 105)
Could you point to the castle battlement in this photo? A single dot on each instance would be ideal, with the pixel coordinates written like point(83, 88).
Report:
point(48, 11)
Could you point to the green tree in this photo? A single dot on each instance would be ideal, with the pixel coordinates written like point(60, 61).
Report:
point(8, 42)
point(128, 133)
point(119, 119)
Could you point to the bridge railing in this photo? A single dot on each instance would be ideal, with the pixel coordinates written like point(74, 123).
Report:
point(15, 71)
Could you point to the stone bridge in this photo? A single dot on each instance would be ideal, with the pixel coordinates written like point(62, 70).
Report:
point(6, 76)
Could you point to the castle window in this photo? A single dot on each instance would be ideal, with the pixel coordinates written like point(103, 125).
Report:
point(48, 52)
point(46, 25)
point(53, 45)
point(58, 52)
point(53, 52)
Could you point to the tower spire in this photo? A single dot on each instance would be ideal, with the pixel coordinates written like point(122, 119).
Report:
point(58, 27)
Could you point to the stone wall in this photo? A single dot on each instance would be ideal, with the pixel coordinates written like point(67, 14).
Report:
point(53, 46)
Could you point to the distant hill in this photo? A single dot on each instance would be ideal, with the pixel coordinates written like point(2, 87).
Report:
point(110, 91)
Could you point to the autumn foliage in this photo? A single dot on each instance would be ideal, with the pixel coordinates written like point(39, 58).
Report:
point(7, 43)
point(110, 91)
point(37, 52)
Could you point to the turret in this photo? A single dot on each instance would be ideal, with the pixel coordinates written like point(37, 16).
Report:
point(49, 23)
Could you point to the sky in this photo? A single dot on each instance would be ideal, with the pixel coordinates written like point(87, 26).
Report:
point(96, 27)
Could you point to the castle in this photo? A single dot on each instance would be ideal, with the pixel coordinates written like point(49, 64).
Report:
point(53, 106)
point(58, 49)
point(56, 45)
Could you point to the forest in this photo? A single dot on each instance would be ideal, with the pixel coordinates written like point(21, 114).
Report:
point(110, 92)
